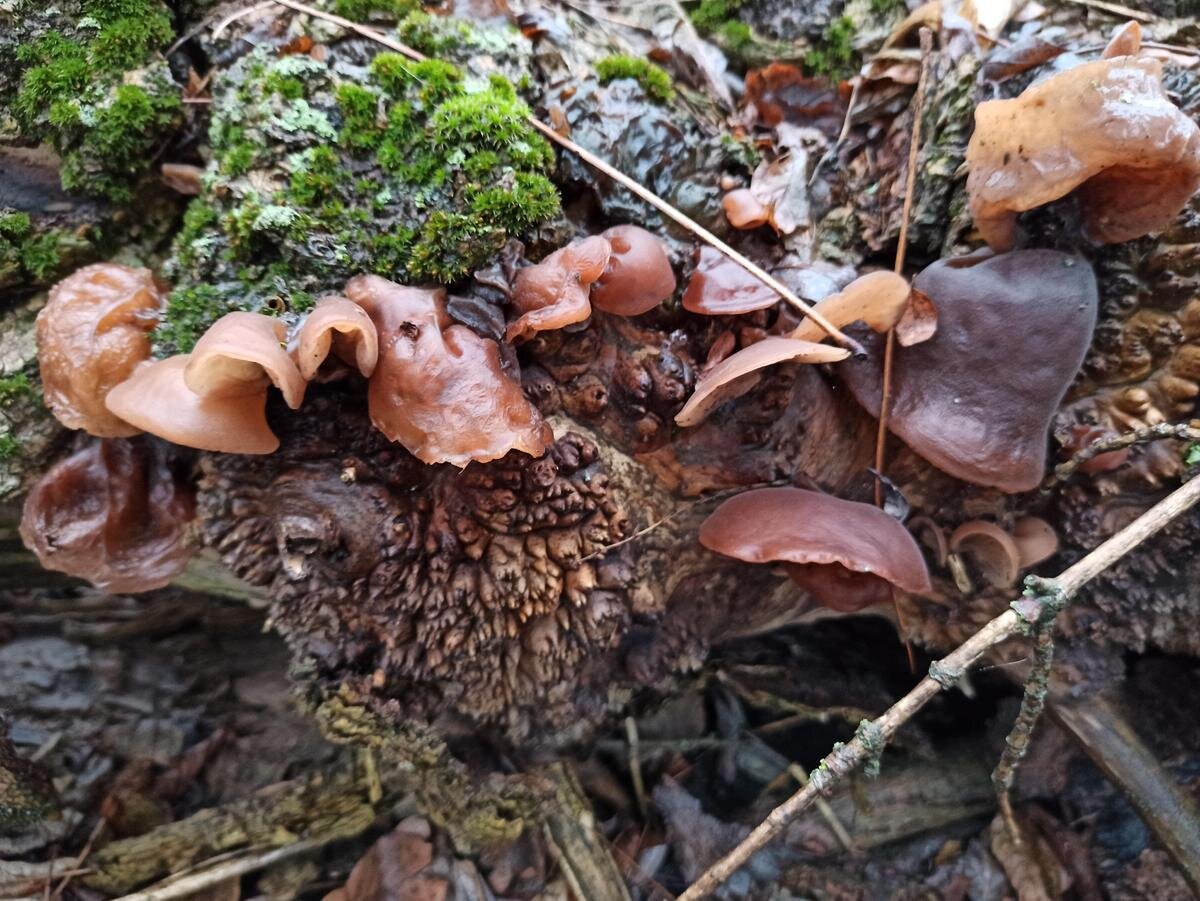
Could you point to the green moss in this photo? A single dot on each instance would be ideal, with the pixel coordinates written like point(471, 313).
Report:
point(40, 257)
point(360, 130)
point(10, 448)
point(710, 15)
point(419, 173)
point(834, 54)
point(360, 10)
point(16, 388)
point(653, 79)
point(99, 92)
point(14, 224)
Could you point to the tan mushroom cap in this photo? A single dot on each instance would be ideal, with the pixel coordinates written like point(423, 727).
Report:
point(1126, 41)
point(157, 399)
point(1106, 129)
point(554, 293)
point(877, 298)
point(240, 354)
point(797, 526)
point(639, 275)
point(992, 549)
point(92, 333)
point(340, 325)
point(1036, 540)
point(439, 389)
point(744, 210)
point(736, 374)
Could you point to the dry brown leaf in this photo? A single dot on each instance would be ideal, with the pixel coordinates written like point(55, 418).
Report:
point(919, 321)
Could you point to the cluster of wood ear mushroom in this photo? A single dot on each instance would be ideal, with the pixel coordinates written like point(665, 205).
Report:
point(1103, 134)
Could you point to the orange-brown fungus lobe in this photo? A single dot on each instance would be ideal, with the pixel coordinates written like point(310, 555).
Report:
point(744, 210)
point(439, 389)
point(554, 293)
point(239, 355)
point(342, 326)
point(720, 287)
point(846, 554)
point(114, 513)
point(93, 331)
point(877, 298)
point(639, 276)
point(1106, 130)
point(738, 373)
point(156, 399)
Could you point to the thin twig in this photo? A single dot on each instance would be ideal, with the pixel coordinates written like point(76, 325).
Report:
point(220, 27)
point(616, 175)
point(1115, 9)
point(635, 766)
point(844, 759)
point(910, 182)
point(823, 807)
point(1064, 471)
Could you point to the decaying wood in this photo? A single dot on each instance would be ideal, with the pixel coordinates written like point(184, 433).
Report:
point(871, 737)
point(570, 827)
point(321, 807)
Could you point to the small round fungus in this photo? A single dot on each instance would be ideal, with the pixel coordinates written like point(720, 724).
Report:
point(554, 293)
point(239, 355)
point(744, 210)
point(1036, 540)
point(157, 399)
point(439, 388)
point(342, 326)
point(877, 298)
point(1106, 130)
point(846, 554)
point(738, 373)
point(639, 275)
point(93, 331)
point(977, 398)
point(720, 287)
point(114, 513)
point(993, 551)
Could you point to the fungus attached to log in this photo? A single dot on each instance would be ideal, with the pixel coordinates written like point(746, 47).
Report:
point(744, 210)
point(992, 550)
point(976, 400)
point(846, 554)
point(341, 326)
point(639, 275)
point(554, 293)
point(1106, 130)
point(720, 287)
point(114, 513)
point(439, 388)
point(877, 299)
point(92, 333)
point(240, 355)
point(738, 373)
point(157, 399)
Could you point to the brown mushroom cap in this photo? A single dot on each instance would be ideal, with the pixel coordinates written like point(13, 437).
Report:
point(976, 399)
point(157, 399)
point(439, 388)
point(1036, 540)
point(554, 293)
point(720, 287)
point(93, 331)
point(639, 276)
point(796, 526)
point(114, 513)
point(728, 379)
point(992, 549)
point(877, 298)
point(744, 210)
point(240, 354)
point(1106, 129)
point(342, 326)
point(1126, 41)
